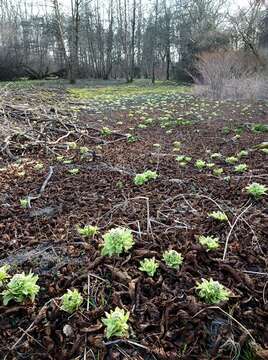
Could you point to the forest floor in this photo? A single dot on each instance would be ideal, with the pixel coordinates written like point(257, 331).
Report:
point(129, 129)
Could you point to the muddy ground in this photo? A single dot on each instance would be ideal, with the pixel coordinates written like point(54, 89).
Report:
point(168, 320)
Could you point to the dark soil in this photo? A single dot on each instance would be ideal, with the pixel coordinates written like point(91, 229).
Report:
point(168, 321)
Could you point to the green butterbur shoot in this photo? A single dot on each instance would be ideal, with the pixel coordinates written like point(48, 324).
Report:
point(218, 215)
point(116, 323)
point(88, 230)
point(4, 274)
point(173, 259)
point(241, 168)
point(21, 287)
point(149, 266)
point(212, 292)
point(117, 241)
point(141, 179)
point(200, 164)
point(256, 190)
point(71, 301)
point(209, 242)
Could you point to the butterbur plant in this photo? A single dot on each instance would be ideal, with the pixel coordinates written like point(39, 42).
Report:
point(216, 156)
point(105, 131)
point(200, 164)
point(141, 179)
point(218, 215)
point(21, 287)
point(88, 230)
point(116, 323)
point(231, 160)
point(74, 171)
point(71, 301)
point(212, 292)
point(117, 241)
point(241, 168)
point(218, 171)
point(172, 259)
point(256, 190)
point(4, 274)
point(242, 153)
point(149, 266)
point(39, 166)
point(24, 203)
point(209, 242)
point(84, 150)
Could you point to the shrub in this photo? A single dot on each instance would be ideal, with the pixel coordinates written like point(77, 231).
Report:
point(71, 301)
point(212, 292)
point(218, 215)
point(21, 287)
point(4, 274)
point(141, 179)
point(117, 241)
point(116, 323)
point(209, 242)
point(172, 259)
point(256, 190)
point(149, 266)
point(88, 230)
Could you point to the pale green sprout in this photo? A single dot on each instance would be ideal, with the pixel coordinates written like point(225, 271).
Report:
point(4, 274)
point(231, 160)
point(74, 171)
point(241, 168)
point(142, 126)
point(256, 190)
point(209, 242)
point(242, 153)
point(157, 145)
point(105, 131)
point(172, 259)
point(210, 165)
point(265, 151)
point(200, 164)
point(60, 158)
point(141, 179)
point(149, 266)
point(177, 144)
point(218, 171)
point(71, 301)
point(39, 166)
point(116, 323)
point(24, 203)
point(117, 241)
point(218, 215)
point(72, 145)
point(216, 156)
point(88, 230)
point(21, 287)
point(212, 292)
point(84, 150)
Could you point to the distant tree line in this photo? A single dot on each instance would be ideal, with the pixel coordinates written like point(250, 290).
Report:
point(156, 39)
